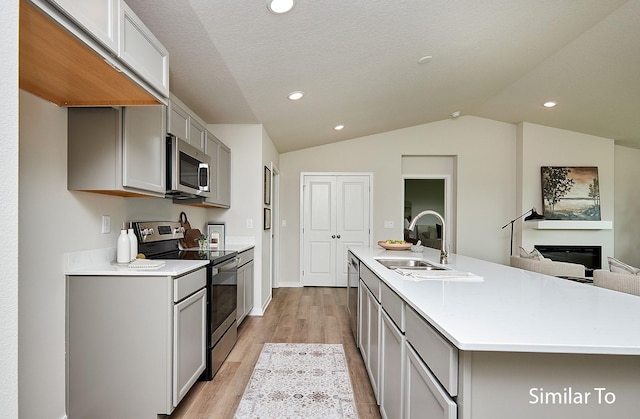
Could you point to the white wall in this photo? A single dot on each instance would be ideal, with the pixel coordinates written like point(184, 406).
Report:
point(9, 210)
point(627, 205)
point(484, 150)
point(545, 146)
point(249, 150)
point(54, 221)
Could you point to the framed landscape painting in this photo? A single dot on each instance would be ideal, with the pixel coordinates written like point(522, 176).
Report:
point(570, 193)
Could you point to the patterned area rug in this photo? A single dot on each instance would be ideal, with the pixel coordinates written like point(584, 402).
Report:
point(295, 380)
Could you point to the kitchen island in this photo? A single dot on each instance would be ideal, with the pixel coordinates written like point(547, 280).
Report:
point(512, 344)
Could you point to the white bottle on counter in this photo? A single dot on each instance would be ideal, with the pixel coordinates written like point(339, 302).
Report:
point(123, 248)
point(133, 244)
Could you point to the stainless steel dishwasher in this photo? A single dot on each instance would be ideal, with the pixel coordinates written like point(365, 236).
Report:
point(353, 279)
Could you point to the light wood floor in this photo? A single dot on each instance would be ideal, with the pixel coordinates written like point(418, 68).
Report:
point(297, 315)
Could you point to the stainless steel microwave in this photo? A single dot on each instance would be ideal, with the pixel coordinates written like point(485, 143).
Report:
point(188, 170)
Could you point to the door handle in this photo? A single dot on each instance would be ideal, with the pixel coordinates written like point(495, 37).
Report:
point(338, 236)
point(333, 237)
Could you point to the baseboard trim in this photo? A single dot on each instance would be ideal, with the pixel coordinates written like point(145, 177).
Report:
point(290, 285)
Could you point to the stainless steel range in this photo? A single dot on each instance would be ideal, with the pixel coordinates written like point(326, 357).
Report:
point(159, 240)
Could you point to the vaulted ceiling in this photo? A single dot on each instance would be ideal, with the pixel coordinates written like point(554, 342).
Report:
point(357, 62)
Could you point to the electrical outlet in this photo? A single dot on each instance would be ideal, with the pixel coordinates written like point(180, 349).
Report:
point(106, 224)
point(388, 224)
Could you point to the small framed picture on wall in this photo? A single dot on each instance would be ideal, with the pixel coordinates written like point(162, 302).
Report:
point(267, 186)
point(267, 219)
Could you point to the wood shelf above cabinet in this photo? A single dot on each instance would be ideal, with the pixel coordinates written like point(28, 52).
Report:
point(58, 67)
point(572, 225)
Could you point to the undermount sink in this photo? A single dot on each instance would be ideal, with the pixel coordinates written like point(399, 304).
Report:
point(409, 264)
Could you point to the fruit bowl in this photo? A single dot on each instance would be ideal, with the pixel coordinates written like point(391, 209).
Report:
point(394, 246)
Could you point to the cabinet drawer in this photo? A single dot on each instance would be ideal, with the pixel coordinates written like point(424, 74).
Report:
point(371, 280)
point(438, 353)
point(392, 305)
point(186, 285)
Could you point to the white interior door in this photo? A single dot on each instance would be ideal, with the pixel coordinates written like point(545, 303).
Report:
point(335, 215)
point(353, 226)
point(319, 226)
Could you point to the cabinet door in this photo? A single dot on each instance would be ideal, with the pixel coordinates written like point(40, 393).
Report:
point(178, 121)
point(240, 311)
point(143, 148)
point(248, 288)
point(223, 170)
point(142, 51)
point(189, 343)
point(424, 397)
point(363, 320)
point(100, 18)
point(391, 369)
point(373, 361)
point(197, 135)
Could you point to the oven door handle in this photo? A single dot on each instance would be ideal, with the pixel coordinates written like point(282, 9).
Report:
point(227, 266)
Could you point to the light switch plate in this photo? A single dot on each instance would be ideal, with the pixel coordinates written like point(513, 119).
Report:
point(106, 224)
point(388, 224)
point(249, 223)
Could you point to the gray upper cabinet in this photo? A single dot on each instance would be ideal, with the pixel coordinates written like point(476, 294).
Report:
point(220, 172)
point(177, 121)
point(117, 151)
point(142, 51)
point(118, 29)
point(197, 135)
point(186, 126)
point(100, 18)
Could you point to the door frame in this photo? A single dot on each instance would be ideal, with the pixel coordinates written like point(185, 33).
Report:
point(448, 206)
point(301, 209)
point(274, 256)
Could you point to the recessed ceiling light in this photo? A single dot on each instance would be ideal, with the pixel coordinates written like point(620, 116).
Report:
point(297, 95)
point(550, 104)
point(425, 59)
point(338, 127)
point(279, 6)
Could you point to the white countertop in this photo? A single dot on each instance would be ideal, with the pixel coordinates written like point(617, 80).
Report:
point(100, 262)
point(239, 247)
point(171, 268)
point(516, 310)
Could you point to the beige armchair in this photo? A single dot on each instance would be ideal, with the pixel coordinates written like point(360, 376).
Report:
point(623, 282)
point(548, 267)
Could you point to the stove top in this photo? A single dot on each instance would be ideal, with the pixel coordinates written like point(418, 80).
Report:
point(160, 240)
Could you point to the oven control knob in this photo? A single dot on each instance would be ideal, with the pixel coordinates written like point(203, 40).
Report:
point(146, 232)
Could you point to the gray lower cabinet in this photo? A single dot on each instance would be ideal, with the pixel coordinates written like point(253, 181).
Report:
point(370, 336)
point(400, 374)
point(134, 344)
point(392, 369)
point(245, 285)
point(392, 354)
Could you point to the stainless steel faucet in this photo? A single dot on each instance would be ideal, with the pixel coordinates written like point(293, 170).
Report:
point(444, 255)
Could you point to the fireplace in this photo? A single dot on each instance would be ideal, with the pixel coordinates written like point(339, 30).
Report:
point(589, 256)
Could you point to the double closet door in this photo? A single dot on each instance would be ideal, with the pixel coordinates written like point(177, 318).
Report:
point(336, 214)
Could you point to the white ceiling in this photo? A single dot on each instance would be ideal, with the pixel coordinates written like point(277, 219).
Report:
point(235, 62)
